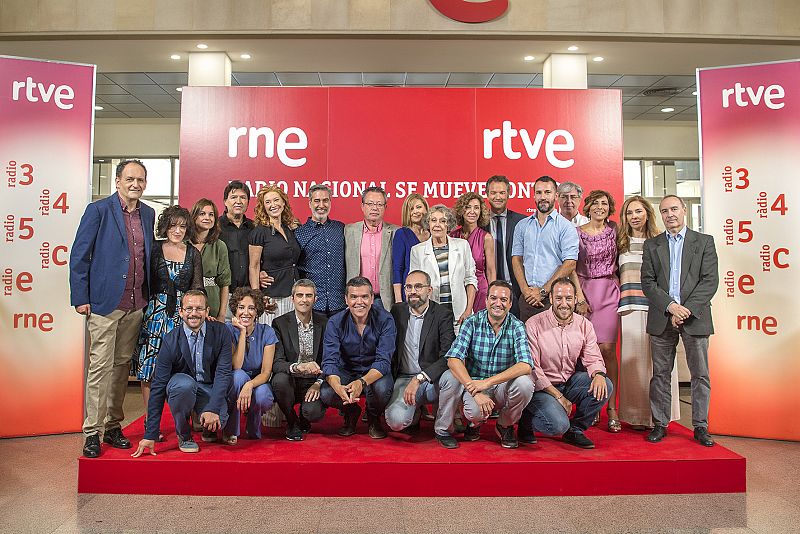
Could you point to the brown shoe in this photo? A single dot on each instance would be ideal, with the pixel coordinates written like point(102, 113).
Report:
point(351, 414)
point(376, 430)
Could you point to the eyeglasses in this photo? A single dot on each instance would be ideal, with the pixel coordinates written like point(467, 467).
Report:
point(374, 204)
point(192, 309)
point(416, 287)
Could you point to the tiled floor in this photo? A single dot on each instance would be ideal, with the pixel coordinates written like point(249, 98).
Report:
point(38, 479)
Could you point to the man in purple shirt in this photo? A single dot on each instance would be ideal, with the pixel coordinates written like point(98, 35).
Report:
point(558, 338)
point(108, 276)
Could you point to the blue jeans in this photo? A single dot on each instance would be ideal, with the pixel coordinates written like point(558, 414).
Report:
point(546, 415)
point(378, 394)
point(184, 395)
point(400, 415)
point(260, 401)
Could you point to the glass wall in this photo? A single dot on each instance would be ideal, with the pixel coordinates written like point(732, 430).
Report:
point(653, 179)
point(162, 180)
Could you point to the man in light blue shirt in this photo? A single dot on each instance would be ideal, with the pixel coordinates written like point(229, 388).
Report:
point(545, 249)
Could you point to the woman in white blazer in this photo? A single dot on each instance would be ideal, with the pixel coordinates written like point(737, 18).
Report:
point(449, 263)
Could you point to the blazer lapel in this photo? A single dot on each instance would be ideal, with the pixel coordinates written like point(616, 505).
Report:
point(207, 342)
point(183, 345)
point(430, 259)
point(426, 326)
point(116, 211)
point(294, 334)
point(689, 253)
point(317, 336)
point(386, 240)
point(663, 255)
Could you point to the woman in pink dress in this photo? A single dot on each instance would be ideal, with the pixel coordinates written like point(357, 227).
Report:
point(472, 215)
point(598, 285)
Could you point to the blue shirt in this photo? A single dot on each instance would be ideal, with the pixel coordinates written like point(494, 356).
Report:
point(196, 343)
point(322, 261)
point(345, 352)
point(263, 335)
point(544, 248)
point(675, 255)
point(485, 353)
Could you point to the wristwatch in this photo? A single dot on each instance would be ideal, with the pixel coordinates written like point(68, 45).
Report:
point(363, 383)
point(543, 293)
point(420, 377)
point(601, 373)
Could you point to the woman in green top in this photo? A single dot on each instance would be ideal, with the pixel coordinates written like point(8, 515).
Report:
point(216, 268)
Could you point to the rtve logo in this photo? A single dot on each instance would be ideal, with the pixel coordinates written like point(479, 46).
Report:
point(61, 95)
point(744, 96)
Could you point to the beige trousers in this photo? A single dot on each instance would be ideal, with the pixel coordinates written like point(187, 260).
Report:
point(112, 340)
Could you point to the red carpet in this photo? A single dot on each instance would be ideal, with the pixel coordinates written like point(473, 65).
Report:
point(328, 465)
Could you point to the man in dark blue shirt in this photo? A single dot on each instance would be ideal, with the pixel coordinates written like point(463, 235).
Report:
point(357, 358)
point(322, 252)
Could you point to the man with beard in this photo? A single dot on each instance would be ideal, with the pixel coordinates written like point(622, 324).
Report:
point(558, 338)
point(569, 199)
point(489, 368)
point(193, 373)
point(322, 252)
point(545, 249)
point(357, 358)
point(502, 224)
point(424, 335)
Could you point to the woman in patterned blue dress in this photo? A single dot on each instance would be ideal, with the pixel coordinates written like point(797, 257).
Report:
point(175, 267)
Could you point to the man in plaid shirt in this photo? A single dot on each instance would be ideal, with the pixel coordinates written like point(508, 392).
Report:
point(490, 367)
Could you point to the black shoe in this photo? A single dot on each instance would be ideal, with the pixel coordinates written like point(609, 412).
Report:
point(446, 441)
point(209, 436)
point(304, 424)
point(701, 436)
point(116, 439)
point(472, 433)
point(507, 438)
point(293, 432)
point(494, 415)
point(91, 447)
point(411, 430)
point(526, 435)
point(375, 429)
point(351, 415)
point(425, 414)
point(577, 438)
point(657, 434)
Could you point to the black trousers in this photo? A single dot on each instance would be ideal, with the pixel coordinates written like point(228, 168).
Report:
point(289, 390)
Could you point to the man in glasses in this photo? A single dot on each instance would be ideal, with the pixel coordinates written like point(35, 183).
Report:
point(569, 200)
point(193, 373)
point(368, 246)
point(424, 335)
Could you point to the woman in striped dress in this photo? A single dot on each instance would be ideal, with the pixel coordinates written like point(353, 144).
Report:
point(637, 223)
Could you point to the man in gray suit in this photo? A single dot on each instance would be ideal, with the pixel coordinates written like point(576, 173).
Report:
point(368, 246)
point(679, 277)
point(501, 225)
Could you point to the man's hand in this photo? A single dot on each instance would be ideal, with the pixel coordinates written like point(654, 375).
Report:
point(265, 280)
point(342, 392)
point(678, 311)
point(598, 388)
point(308, 368)
point(532, 296)
point(354, 390)
point(145, 444)
point(474, 387)
point(410, 394)
point(485, 403)
point(312, 393)
point(245, 395)
point(583, 308)
point(84, 309)
point(210, 421)
point(565, 403)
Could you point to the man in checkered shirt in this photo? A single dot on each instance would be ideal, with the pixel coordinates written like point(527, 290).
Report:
point(490, 367)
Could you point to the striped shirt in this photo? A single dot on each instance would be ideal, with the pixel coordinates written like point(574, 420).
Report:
point(630, 277)
point(443, 259)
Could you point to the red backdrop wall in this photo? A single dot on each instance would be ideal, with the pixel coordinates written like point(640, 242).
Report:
point(440, 142)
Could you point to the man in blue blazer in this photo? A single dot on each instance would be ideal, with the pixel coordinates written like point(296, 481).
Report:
point(108, 277)
point(193, 373)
